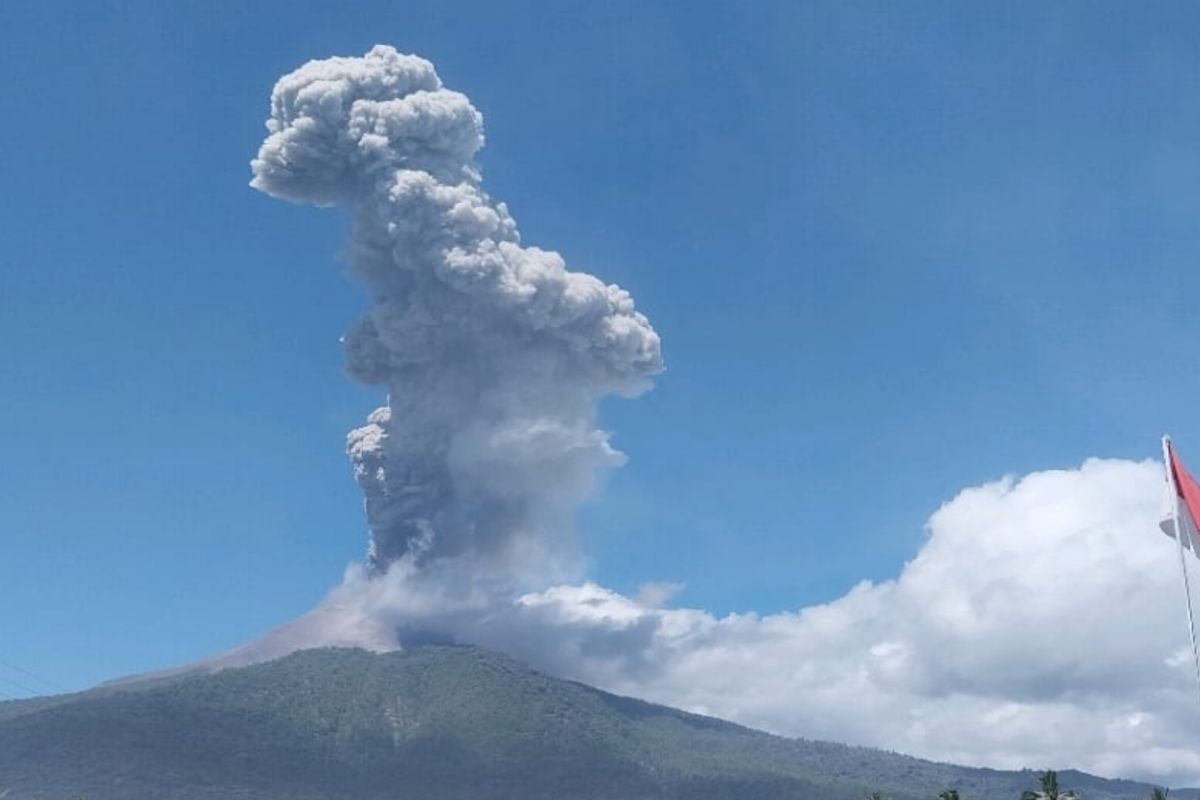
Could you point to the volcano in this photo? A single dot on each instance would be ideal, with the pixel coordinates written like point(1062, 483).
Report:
point(437, 722)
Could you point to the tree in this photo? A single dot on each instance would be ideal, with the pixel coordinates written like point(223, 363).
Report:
point(949, 794)
point(1159, 793)
point(1048, 781)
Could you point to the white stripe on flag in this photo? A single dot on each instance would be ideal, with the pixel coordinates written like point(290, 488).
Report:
point(1171, 506)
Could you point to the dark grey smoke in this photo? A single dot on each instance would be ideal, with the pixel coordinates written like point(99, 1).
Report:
point(493, 354)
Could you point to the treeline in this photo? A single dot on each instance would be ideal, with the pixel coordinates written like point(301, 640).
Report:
point(1048, 789)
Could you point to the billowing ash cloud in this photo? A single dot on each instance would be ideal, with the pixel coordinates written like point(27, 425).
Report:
point(493, 354)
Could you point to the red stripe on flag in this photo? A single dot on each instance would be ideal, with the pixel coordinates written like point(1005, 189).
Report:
point(1185, 486)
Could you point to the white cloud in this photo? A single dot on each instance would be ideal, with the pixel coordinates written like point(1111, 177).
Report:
point(1040, 623)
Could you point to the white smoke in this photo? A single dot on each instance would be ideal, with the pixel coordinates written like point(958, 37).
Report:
point(1039, 625)
point(493, 355)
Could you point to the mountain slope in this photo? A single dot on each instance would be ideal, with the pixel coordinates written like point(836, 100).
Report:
point(432, 723)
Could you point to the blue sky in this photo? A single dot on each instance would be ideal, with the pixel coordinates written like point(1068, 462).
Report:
point(892, 252)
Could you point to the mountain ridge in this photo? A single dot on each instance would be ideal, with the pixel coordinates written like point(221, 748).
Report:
point(437, 721)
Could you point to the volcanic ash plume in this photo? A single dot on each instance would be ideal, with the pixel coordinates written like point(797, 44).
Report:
point(493, 355)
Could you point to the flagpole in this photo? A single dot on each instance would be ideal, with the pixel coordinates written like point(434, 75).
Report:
point(1187, 589)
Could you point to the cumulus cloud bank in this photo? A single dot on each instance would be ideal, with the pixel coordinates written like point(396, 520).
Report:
point(1039, 624)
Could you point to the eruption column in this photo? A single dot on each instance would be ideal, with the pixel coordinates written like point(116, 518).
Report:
point(493, 354)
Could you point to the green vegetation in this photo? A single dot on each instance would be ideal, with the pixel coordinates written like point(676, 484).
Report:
point(1048, 782)
point(435, 723)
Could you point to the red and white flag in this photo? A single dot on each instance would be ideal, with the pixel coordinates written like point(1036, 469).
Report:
point(1181, 500)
